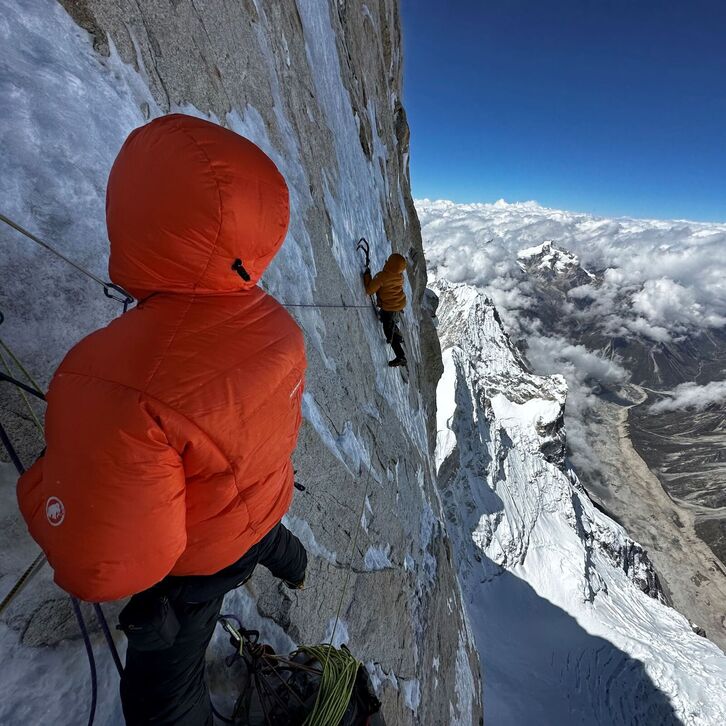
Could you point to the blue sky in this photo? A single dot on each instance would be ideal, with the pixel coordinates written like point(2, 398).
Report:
point(616, 107)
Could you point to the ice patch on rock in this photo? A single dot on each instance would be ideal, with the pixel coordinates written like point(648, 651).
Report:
point(377, 558)
point(301, 529)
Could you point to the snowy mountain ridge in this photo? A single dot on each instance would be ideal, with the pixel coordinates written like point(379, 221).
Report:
point(530, 543)
point(653, 320)
point(550, 257)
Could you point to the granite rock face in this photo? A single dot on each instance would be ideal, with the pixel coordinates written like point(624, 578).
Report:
point(318, 86)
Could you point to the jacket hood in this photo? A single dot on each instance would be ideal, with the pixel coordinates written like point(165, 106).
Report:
point(395, 263)
point(186, 199)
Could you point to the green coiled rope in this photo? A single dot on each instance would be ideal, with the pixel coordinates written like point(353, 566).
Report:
point(340, 669)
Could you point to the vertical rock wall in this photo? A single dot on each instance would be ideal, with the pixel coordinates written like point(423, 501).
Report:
point(318, 85)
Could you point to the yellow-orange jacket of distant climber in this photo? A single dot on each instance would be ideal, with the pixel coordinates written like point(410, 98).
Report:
point(387, 285)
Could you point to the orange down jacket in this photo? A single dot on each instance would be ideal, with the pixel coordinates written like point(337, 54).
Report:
point(388, 284)
point(169, 432)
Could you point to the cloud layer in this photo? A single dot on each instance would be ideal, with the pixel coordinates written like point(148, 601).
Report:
point(660, 279)
point(692, 397)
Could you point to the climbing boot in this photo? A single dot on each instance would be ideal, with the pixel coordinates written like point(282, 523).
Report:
point(397, 361)
point(295, 585)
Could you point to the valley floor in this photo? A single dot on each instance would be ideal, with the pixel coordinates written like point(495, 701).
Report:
point(691, 575)
point(686, 450)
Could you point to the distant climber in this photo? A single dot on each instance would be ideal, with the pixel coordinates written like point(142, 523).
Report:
point(170, 431)
point(387, 286)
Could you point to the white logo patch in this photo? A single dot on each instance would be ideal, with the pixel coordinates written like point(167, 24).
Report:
point(55, 511)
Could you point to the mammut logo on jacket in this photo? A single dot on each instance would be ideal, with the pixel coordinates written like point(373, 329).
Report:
point(55, 511)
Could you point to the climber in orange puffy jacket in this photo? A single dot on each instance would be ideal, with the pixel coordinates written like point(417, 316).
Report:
point(387, 286)
point(170, 431)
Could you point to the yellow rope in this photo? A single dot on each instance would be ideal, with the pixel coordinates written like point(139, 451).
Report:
point(27, 375)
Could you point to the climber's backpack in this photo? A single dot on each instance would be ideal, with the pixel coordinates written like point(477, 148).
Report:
point(286, 690)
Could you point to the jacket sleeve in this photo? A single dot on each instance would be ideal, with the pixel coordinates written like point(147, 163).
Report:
point(372, 285)
point(107, 501)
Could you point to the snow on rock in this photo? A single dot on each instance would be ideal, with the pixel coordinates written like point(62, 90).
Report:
point(64, 113)
point(367, 509)
point(565, 607)
point(337, 633)
point(411, 693)
point(301, 529)
point(377, 558)
point(380, 678)
point(465, 687)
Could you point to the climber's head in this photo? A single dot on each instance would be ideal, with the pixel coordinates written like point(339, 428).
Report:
point(186, 199)
point(395, 263)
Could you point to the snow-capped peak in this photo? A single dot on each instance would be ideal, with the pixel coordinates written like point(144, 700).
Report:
point(548, 256)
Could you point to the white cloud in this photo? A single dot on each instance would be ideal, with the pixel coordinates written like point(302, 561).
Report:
point(553, 354)
point(642, 327)
point(669, 305)
point(660, 279)
point(582, 369)
point(692, 396)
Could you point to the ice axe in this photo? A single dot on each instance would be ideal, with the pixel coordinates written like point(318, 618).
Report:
point(365, 247)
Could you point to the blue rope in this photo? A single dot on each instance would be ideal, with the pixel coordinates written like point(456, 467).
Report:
point(100, 616)
point(91, 659)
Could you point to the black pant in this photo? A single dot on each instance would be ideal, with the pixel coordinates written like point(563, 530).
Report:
point(165, 684)
point(389, 320)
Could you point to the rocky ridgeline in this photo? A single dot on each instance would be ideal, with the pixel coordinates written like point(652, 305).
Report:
point(497, 376)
